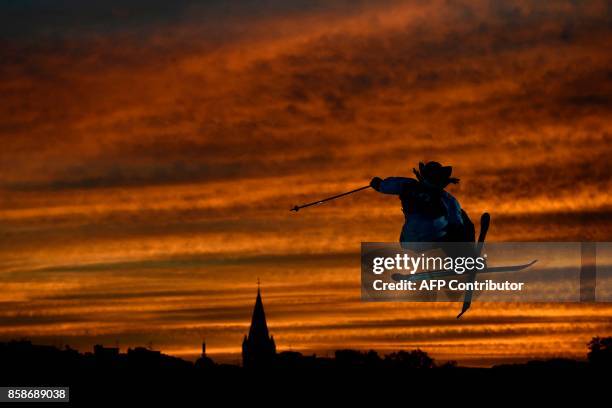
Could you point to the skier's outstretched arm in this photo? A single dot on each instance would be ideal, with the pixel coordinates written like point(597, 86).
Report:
point(391, 185)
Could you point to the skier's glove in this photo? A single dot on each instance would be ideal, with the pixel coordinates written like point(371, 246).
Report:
point(375, 183)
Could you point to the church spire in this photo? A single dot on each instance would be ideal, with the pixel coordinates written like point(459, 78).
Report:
point(259, 326)
point(258, 348)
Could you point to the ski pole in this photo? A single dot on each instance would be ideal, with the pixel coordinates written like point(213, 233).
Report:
point(298, 207)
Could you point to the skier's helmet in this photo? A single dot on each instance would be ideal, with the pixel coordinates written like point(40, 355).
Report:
point(435, 175)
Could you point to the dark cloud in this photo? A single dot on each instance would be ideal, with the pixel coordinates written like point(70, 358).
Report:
point(395, 70)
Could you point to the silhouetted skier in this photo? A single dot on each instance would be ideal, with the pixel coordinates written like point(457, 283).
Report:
point(432, 214)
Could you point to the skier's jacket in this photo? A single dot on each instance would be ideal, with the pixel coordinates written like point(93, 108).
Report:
point(431, 214)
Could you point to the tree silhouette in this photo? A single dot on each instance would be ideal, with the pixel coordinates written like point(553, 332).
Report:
point(410, 359)
point(600, 351)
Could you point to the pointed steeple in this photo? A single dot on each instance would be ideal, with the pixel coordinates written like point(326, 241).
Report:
point(259, 326)
point(258, 348)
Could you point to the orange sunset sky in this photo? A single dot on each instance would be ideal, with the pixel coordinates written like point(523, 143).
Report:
point(151, 151)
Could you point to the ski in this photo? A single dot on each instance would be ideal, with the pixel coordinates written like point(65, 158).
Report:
point(485, 220)
point(444, 273)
